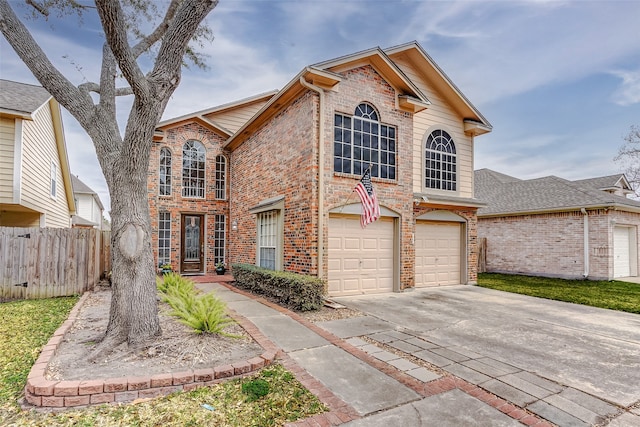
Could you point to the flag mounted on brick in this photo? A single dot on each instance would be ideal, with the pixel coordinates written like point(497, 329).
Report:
point(370, 207)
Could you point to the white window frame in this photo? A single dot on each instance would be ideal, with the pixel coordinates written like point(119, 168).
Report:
point(164, 171)
point(219, 239)
point(440, 170)
point(53, 190)
point(221, 177)
point(194, 176)
point(164, 225)
point(270, 229)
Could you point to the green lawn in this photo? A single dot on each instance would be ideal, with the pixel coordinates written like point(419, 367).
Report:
point(271, 397)
point(614, 295)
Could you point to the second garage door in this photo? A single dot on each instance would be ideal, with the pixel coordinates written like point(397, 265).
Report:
point(438, 253)
point(360, 260)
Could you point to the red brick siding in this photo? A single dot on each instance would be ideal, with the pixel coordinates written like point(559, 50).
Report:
point(279, 160)
point(175, 204)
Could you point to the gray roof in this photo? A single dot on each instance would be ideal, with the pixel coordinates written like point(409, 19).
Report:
point(21, 98)
point(505, 195)
point(82, 188)
point(606, 182)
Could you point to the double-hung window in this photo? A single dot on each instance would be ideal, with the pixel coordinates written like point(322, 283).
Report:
point(165, 172)
point(54, 180)
point(362, 141)
point(268, 239)
point(193, 168)
point(221, 177)
point(164, 238)
point(440, 162)
point(219, 238)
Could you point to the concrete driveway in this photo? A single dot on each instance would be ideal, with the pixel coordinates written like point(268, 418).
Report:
point(590, 352)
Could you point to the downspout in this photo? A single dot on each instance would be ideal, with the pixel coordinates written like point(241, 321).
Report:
point(320, 92)
point(585, 216)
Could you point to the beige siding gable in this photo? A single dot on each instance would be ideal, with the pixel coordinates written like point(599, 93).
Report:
point(40, 151)
point(439, 115)
point(7, 153)
point(234, 119)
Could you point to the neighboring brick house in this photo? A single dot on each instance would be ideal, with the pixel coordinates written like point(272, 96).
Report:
point(35, 183)
point(269, 180)
point(554, 227)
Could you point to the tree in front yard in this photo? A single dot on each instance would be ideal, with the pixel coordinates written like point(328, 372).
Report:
point(124, 158)
point(629, 158)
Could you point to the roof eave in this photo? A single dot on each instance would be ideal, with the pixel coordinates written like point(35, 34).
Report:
point(606, 206)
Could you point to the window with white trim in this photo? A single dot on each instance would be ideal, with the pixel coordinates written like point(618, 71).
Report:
point(440, 162)
point(221, 177)
point(54, 180)
point(164, 238)
point(267, 239)
point(165, 172)
point(360, 141)
point(219, 238)
point(193, 169)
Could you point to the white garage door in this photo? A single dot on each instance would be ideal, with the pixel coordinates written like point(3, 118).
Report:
point(360, 260)
point(438, 256)
point(621, 252)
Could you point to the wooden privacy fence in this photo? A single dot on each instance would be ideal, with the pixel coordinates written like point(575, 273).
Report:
point(482, 255)
point(49, 262)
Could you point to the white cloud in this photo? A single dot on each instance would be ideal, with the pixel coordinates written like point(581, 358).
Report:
point(628, 93)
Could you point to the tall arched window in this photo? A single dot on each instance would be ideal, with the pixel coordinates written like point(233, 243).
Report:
point(193, 167)
point(361, 141)
point(440, 162)
point(165, 172)
point(221, 177)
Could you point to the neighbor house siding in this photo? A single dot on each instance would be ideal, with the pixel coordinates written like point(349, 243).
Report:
point(39, 151)
point(279, 159)
point(438, 114)
point(234, 119)
point(548, 244)
point(7, 150)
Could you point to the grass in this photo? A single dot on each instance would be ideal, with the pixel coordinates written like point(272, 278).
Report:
point(271, 397)
point(614, 295)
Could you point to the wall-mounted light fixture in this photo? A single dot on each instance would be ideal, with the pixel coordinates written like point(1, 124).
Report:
point(234, 225)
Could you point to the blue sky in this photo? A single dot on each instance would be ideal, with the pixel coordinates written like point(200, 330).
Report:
point(558, 80)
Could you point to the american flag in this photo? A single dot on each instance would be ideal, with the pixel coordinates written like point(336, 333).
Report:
point(370, 207)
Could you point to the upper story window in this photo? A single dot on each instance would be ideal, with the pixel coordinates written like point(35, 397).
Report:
point(54, 180)
point(165, 172)
point(440, 162)
point(193, 167)
point(221, 177)
point(361, 141)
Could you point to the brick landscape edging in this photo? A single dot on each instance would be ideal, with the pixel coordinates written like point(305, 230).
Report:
point(54, 394)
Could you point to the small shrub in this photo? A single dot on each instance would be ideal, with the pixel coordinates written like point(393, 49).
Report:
point(203, 313)
point(255, 389)
point(296, 291)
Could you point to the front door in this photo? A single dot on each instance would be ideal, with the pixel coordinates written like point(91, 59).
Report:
point(192, 244)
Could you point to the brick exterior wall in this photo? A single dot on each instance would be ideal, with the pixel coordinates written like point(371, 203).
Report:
point(553, 244)
point(177, 205)
point(281, 159)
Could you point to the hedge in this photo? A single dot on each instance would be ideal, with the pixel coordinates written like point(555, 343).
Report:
point(292, 290)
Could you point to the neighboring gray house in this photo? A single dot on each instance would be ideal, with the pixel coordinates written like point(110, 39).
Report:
point(553, 227)
point(89, 208)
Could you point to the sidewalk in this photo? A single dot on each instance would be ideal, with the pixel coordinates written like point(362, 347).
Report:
point(364, 384)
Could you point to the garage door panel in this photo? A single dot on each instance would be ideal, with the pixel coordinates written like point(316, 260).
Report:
point(363, 261)
point(438, 254)
point(621, 252)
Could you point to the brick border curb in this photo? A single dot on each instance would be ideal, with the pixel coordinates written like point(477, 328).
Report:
point(57, 395)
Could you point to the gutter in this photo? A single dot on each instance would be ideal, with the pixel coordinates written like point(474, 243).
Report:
point(320, 92)
point(586, 242)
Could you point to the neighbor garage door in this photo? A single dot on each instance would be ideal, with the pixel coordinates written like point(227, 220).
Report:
point(360, 260)
point(438, 253)
point(621, 252)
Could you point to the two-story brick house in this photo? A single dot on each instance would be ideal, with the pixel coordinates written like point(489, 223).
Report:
point(269, 180)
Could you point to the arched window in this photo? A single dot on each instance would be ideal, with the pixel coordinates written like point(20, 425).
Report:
point(361, 141)
point(193, 167)
point(440, 162)
point(221, 177)
point(165, 172)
